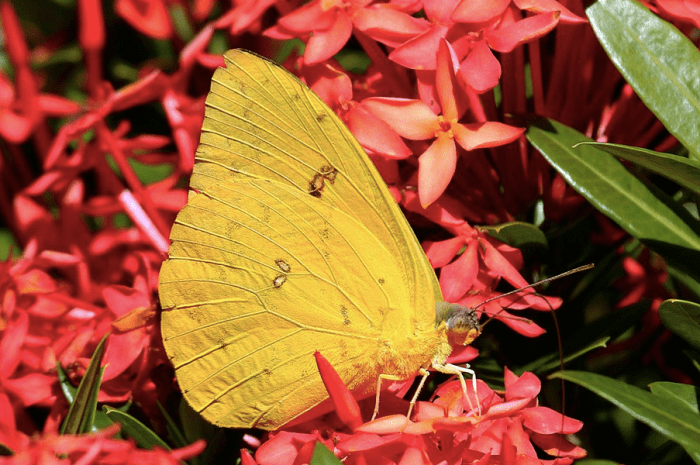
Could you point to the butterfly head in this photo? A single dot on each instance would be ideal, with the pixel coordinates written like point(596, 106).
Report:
point(462, 323)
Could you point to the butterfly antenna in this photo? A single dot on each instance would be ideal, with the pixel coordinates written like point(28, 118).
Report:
point(566, 273)
point(556, 322)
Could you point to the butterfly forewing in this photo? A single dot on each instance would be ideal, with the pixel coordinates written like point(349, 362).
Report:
point(262, 123)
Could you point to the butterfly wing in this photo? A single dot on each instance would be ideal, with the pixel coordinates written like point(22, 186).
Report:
point(260, 276)
point(263, 123)
point(255, 284)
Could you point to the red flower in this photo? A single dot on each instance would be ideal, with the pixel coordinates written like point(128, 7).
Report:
point(415, 120)
point(470, 279)
point(325, 25)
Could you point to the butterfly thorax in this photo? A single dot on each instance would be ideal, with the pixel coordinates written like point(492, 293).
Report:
point(403, 351)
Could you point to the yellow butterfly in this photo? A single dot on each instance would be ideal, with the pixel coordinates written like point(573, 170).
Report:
point(291, 244)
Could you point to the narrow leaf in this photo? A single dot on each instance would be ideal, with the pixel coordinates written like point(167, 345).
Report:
point(143, 435)
point(323, 456)
point(683, 392)
point(518, 234)
point(551, 361)
point(683, 319)
point(613, 190)
point(670, 417)
point(81, 413)
point(67, 387)
point(682, 278)
point(590, 337)
point(657, 60)
point(177, 436)
point(694, 357)
point(680, 170)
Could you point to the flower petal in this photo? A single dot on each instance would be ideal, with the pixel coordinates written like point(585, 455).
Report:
point(411, 119)
point(548, 6)
point(436, 167)
point(507, 38)
point(479, 11)
point(421, 51)
point(546, 421)
point(375, 135)
point(389, 26)
point(325, 43)
point(441, 253)
point(481, 70)
point(457, 277)
point(483, 135)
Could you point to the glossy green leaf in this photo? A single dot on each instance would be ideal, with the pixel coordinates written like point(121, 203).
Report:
point(683, 319)
point(143, 435)
point(670, 417)
point(517, 234)
point(323, 456)
point(613, 190)
point(686, 393)
point(81, 413)
point(657, 60)
point(681, 170)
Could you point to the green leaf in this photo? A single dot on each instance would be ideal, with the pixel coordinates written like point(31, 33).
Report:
point(176, 434)
point(670, 417)
point(590, 337)
point(683, 319)
point(323, 456)
point(67, 387)
point(144, 436)
point(657, 60)
point(517, 234)
point(5, 451)
point(81, 414)
point(694, 357)
point(682, 277)
point(681, 170)
point(686, 393)
point(613, 190)
point(551, 361)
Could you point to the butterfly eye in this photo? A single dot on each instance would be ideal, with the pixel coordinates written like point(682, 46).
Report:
point(463, 320)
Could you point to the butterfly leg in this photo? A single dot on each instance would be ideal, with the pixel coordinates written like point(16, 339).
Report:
point(424, 373)
point(458, 370)
point(381, 378)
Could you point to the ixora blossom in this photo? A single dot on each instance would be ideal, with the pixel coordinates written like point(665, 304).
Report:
point(446, 430)
point(471, 265)
point(414, 120)
point(96, 448)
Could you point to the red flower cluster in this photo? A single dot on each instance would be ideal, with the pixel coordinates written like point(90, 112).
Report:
point(445, 430)
point(96, 448)
point(93, 233)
